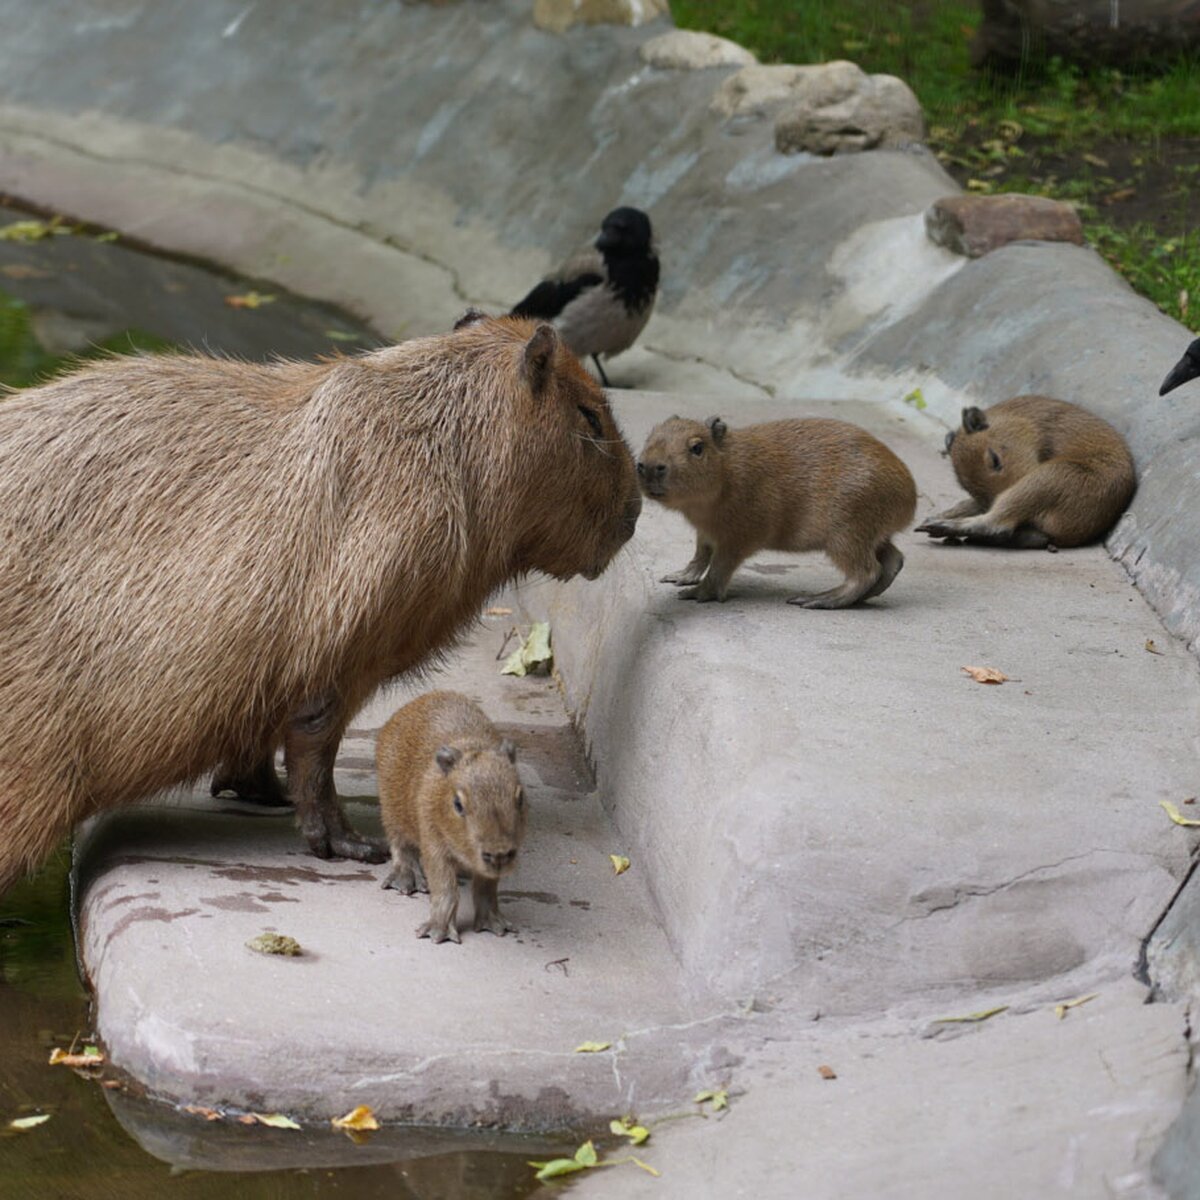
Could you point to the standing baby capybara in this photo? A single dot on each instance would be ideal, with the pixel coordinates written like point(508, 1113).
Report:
point(803, 484)
point(1039, 472)
point(200, 559)
point(450, 800)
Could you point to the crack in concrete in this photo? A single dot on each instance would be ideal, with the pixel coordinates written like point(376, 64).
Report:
point(361, 228)
point(1141, 971)
point(679, 357)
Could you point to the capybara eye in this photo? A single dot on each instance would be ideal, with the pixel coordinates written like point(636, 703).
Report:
point(993, 460)
point(592, 419)
point(458, 804)
point(697, 448)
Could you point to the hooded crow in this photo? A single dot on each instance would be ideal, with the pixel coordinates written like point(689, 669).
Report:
point(601, 300)
point(1188, 367)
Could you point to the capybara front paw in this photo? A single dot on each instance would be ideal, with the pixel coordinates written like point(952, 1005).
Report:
point(358, 848)
point(683, 577)
point(402, 882)
point(438, 932)
point(702, 594)
point(940, 527)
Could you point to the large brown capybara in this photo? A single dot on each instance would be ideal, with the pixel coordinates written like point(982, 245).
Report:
point(201, 559)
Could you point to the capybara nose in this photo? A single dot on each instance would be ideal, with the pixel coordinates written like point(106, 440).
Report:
point(497, 860)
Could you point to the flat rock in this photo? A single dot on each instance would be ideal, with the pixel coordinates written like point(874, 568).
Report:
point(976, 225)
point(691, 50)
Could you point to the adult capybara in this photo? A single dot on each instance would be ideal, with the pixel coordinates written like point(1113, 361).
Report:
point(200, 559)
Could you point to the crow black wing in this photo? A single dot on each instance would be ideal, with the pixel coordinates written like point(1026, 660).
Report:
point(551, 296)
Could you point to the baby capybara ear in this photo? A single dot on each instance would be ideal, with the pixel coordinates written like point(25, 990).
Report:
point(973, 420)
point(718, 429)
point(470, 317)
point(539, 356)
point(446, 757)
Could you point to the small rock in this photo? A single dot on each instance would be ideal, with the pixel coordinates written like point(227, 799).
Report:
point(824, 108)
point(275, 943)
point(688, 50)
point(974, 225)
point(559, 15)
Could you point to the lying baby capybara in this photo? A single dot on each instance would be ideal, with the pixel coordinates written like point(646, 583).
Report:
point(451, 801)
point(1040, 473)
point(200, 559)
point(802, 484)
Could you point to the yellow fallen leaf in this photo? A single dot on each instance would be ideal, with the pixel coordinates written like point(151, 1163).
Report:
point(1152, 647)
point(246, 1119)
point(360, 1118)
point(23, 1123)
point(718, 1097)
point(533, 656)
point(620, 863)
point(975, 1016)
point(627, 1127)
point(986, 674)
point(592, 1047)
point(1177, 816)
point(198, 1110)
point(275, 1120)
point(249, 300)
point(31, 231)
point(1060, 1010)
point(91, 1057)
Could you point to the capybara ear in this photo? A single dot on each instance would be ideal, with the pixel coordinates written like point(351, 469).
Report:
point(717, 428)
point(973, 420)
point(949, 440)
point(539, 355)
point(509, 749)
point(470, 317)
point(446, 757)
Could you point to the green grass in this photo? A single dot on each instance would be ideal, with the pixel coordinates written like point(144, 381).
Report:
point(24, 362)
point(996, 133)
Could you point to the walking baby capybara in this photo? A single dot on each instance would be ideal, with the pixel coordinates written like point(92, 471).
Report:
point(450, 800)
point(200, 558)
point(802, 484)
point(1040, 473)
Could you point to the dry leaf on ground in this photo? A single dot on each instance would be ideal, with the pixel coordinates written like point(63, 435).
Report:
point(249, 300)
point(620, 863)
point(1151, 647)
point(1177, 816)
point(198, 1110)
point(358, 1119)
point(986, 674)
point(1060, 1010)
point(23, 1123)
point(826, 1072)
point(718, 1097)
point(970, 1017)
point(275, 1120)
point(91, 1057)
point(534, 656)
point(592, 1047)
point(275, 943)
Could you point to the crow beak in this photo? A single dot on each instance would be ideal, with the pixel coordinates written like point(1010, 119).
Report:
point(1186, 368)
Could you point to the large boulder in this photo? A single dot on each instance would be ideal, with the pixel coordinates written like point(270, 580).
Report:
point(689, 50)
point(976, 225)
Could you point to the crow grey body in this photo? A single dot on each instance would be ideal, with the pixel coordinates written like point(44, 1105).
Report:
point(600, 300)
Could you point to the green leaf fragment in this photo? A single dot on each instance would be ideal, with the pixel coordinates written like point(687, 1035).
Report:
point(975, 1016)
point(625, 1127)
point(586, 1154)
point(275, 1120)
point(534, 656)
point(592, 1047)
point(718, 1097)
point(916, 399)
point(109, 236)
point(31, 231)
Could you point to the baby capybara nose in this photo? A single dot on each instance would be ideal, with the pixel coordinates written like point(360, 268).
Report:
point(497, 860)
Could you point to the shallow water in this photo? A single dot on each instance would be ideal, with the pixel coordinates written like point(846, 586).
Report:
point(77, 292)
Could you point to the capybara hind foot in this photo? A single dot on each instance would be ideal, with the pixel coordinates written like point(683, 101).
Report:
point(357, 846)
point(845, 596)
point(257, 785)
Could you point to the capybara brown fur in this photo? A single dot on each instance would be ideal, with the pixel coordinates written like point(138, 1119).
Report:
point(803, 484)
point(450, 800)
point(1039, 472)
point(201, 559)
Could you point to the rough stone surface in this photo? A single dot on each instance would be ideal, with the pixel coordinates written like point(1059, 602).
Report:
point(559, 15)
point(690, 50)
point(976, 225)
point(827, 117)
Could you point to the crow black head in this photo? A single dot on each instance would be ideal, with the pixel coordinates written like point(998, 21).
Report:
point(1188, 367)
point(624, 231)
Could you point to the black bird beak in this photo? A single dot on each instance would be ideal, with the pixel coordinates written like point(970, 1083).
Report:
point(1188, 367)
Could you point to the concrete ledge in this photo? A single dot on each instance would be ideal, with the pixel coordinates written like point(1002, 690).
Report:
point(812, 792)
